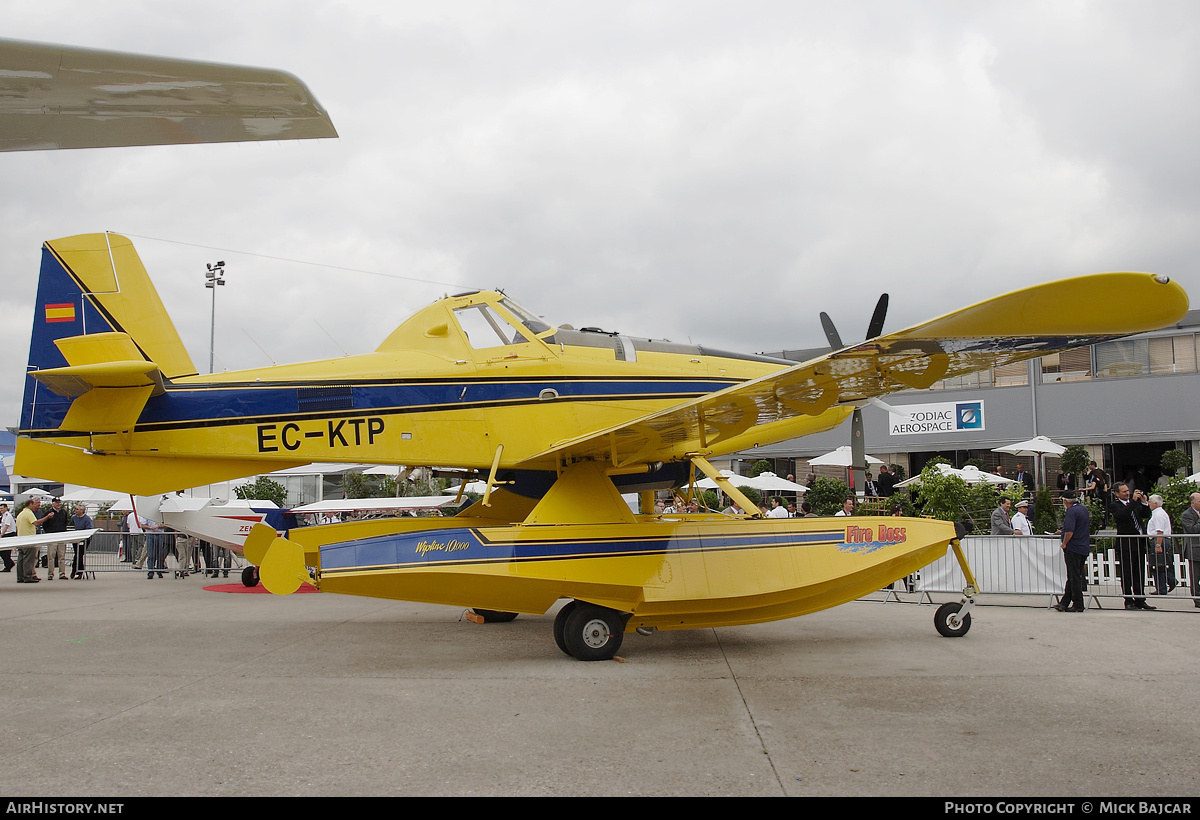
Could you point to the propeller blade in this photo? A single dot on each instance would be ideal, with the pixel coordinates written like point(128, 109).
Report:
point(835, 341)
point(858, 444)
point(858, 451)
point(887, 408)
point(876, 327)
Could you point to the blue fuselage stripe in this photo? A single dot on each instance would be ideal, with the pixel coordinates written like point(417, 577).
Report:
point(470, 546)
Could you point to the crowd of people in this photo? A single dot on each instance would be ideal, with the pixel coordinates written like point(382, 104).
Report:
point(29, 521)
point(1144, 545)
point(147, 546)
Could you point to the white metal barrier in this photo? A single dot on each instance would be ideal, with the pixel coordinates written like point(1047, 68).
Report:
point(165, 553)
point(1033, 565)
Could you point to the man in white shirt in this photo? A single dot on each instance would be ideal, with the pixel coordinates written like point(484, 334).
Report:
point(847, 507)
point(137, 525)
point(1020, 522)
point(777, 508)
point(1159, 550)
point(8, 529)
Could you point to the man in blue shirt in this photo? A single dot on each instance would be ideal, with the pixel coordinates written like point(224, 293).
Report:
point(1076, 545)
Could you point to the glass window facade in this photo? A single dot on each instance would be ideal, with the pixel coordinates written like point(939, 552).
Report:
point(1156, 356)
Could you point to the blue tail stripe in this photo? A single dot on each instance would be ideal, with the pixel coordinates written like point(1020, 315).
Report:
point(55, 287)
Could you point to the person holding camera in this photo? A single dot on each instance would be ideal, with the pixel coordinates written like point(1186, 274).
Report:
point(1130, 513)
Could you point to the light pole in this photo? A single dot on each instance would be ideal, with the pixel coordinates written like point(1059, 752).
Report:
point(215, 275)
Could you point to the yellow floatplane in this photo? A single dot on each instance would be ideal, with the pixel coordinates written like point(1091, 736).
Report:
point(560, 421)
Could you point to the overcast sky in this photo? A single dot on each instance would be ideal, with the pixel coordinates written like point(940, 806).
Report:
point(713, 171)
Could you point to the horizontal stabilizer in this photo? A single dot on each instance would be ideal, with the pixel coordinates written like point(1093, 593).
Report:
point(78, 379)
point(109, 394)
point(98, 348)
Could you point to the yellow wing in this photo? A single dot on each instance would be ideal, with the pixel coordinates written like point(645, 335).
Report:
point(820, 393)
point(55, 96)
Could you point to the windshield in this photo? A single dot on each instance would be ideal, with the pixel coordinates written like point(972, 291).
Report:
point(535, 324)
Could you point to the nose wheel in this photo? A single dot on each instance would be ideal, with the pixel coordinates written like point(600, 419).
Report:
point(951, 621)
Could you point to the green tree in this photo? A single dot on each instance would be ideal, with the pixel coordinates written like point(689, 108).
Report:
point(1176, 498)
point(943, 497)
point(1074, 460)
point(421, 487)
point(355, 485)
point(1044, 511)
point(752, 494)
point(1173, 461)
point(981, 499)
point(826, 495)
point(904, 499)
point(759, 467)
point(1095, 510)
point(263, 489)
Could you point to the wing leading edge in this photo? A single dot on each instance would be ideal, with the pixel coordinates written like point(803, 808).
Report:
point(56, 96)
point(819, 394)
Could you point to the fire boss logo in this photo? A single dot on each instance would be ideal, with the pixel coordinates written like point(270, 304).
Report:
point(863, 539)
point(865, 535)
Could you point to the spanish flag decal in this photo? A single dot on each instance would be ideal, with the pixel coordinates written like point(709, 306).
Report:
point(60, 313)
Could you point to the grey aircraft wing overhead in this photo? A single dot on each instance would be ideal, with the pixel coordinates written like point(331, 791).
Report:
point(55, 96)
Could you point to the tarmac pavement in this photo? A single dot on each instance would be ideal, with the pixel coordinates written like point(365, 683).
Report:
point(124, 687)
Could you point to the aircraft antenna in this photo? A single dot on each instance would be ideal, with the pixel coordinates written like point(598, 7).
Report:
point(260, 347)
point(330, 335)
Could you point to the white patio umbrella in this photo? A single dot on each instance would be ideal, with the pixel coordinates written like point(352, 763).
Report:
point(943, 468)
point(969, 474)
point(841, 457)
point(711, 484)
point(87, 495)
point(770, 481)
point(973, 475)
point(1037, 447)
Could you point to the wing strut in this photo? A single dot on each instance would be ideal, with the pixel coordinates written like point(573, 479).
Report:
point(748, 506)
point(491, 479)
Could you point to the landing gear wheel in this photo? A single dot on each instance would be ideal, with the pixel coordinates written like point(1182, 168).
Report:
point(494, 616)
point(250, 577)
point(948, 623)
point(560, 621)
point(593, 633)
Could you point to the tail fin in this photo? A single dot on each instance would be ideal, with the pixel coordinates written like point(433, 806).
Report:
point(95, 286)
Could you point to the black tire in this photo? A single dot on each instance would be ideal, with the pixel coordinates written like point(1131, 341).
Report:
point(494, 616)
point(560, 621)
point(250, 577)
point(593, 633)
point(948, 624)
